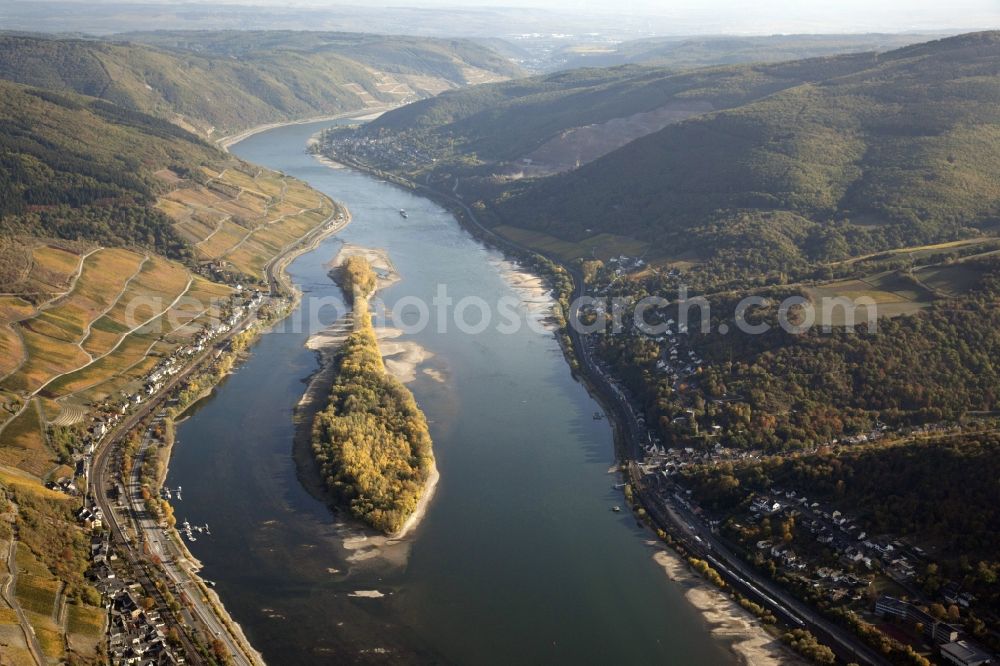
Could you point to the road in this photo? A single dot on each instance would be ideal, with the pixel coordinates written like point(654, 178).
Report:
point(9, 590)
point(163, 546)
point(683, 524)
point(792, 610)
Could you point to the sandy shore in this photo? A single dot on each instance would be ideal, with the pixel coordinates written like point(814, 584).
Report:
point(366, 544)
point(421, 510)
point(731, 623)
point(359, 114)
point(403, 358)
point(535, 296)
point(384, 269)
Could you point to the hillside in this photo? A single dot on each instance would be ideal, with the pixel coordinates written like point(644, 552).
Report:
point(76, 168)
point(692, 52)
point(219, 83)
point(553, 123)
point(101, 205)
point(759, 166)
point(454, 60)
point(127, 246)
point(902, 152)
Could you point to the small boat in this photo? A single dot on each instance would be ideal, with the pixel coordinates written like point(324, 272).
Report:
point(598, 416)
point(616, 508)
point(402, 213)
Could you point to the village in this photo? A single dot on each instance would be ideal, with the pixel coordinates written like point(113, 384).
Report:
point(105, 417)
point(136, 631)
point(137, 634)
point(828, 554)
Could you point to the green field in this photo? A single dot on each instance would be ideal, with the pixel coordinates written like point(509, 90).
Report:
point(601, 246)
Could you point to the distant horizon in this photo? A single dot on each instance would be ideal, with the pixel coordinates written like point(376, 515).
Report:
point(685, 18)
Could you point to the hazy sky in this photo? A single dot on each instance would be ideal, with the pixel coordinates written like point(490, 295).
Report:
point(736, 16)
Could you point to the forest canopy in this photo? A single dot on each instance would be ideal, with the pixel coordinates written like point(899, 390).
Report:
point(371, 443)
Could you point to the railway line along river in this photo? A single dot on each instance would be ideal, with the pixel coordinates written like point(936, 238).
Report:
point(519, 559)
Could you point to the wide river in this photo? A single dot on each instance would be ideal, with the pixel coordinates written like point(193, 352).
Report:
point(519, 560)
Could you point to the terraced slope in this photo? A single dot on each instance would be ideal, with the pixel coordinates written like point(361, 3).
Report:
point(121, 237)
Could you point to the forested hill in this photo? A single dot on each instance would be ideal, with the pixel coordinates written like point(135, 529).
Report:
point(219, 83)
point(76, 167)
point(906, 150)
point(448, 59)
point(508, 121)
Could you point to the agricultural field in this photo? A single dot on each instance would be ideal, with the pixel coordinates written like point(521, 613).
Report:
point(950, 280)
point(24, 445)
point(902, 292)
point(84, 628)
point(15, 651)
point(120, 312)
point(893, 295)
point(39, 594)
point(242, 220)
point(84, 324)
point(601, 246)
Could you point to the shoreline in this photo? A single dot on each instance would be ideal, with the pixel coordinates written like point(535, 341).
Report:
point(743, 634)
point(739, 631)
point(274, 270)
point(225, 142)
point(420, 511)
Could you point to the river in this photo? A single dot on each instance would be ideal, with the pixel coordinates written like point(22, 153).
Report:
point(520, 558)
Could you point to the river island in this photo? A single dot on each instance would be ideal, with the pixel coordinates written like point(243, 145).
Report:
point(371, 442)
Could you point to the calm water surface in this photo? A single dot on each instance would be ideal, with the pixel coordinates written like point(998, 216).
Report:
point(520, 559)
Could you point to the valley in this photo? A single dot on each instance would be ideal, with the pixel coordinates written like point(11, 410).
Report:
point(738, 403)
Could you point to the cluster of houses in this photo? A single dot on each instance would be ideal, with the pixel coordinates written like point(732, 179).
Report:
point(673, 364)
point(623, 264)
point(136, 634)
point(841, 534)
point(91, 517)
point(955, 648)
point(110, 414)
point(383, 149)
point(668, 462)
point(64, 484)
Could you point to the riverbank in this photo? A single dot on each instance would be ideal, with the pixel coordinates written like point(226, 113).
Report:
point(513, 433)
point(281, 285)
point(360, 114)
point(730, 624)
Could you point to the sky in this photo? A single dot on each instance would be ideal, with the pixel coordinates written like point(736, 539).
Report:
point(731, 16)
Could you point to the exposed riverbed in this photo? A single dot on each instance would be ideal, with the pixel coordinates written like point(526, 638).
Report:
point(519, 558)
